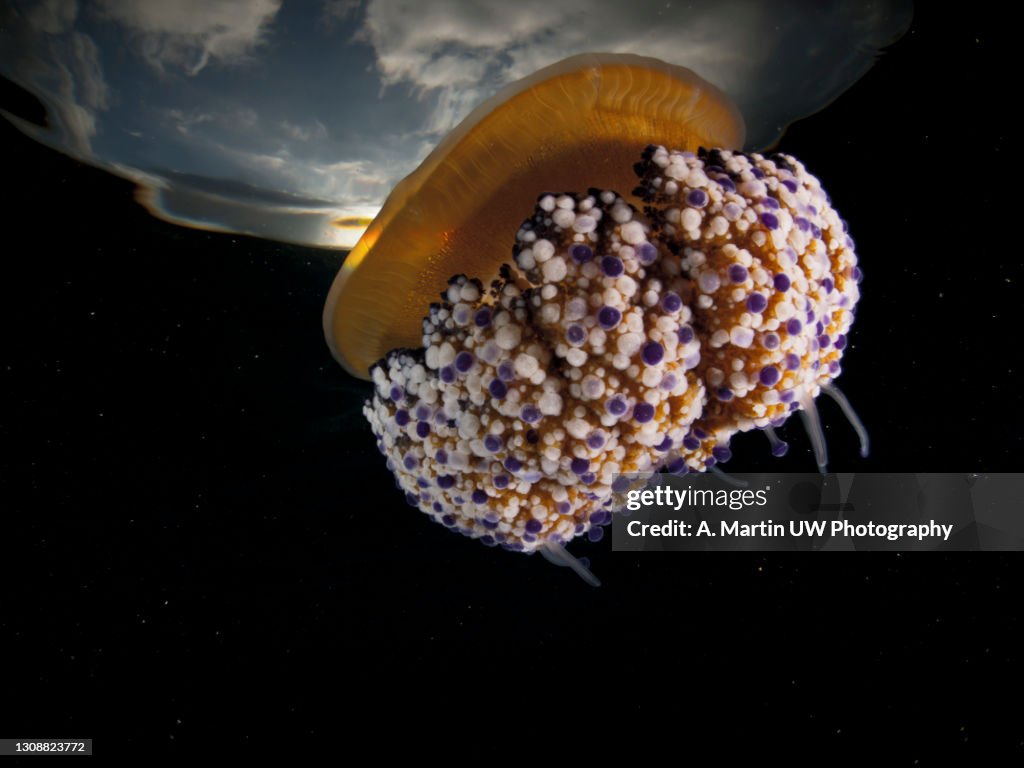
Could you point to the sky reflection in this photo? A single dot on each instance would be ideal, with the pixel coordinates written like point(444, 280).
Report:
point(293, 120)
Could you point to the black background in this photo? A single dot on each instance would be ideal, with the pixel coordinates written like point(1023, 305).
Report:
point(198, 535)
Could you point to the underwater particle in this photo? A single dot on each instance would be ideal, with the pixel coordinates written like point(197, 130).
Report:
point(574, 124)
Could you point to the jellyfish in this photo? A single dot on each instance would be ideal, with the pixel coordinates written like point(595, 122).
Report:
point(681, 291)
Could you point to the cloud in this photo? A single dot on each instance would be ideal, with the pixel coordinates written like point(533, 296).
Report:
point(93, 91)
point(184, 121)
point(778, 61)
point(52, 16)
point(348, 181)
point(453, 43)
point(233, 142)
point(458, 52)
point(65, 71)
point(310, 132)
point(77, 120)
point(188, 34)
point(340, 10)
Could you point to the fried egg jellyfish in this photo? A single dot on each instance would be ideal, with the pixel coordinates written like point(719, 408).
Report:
point(615, 343)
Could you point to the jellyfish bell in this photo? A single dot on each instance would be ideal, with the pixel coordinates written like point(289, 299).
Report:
point(577, 124)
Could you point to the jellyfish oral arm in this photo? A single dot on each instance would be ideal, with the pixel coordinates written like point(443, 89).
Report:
point(621, 343)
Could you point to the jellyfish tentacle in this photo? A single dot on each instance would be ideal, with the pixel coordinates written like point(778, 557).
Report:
point(779, 447)
point(727, 478)
point(812, 423)
point(554, 552)
point(836, 394)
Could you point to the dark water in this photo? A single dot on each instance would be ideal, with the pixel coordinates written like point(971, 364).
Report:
point(199, 535)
